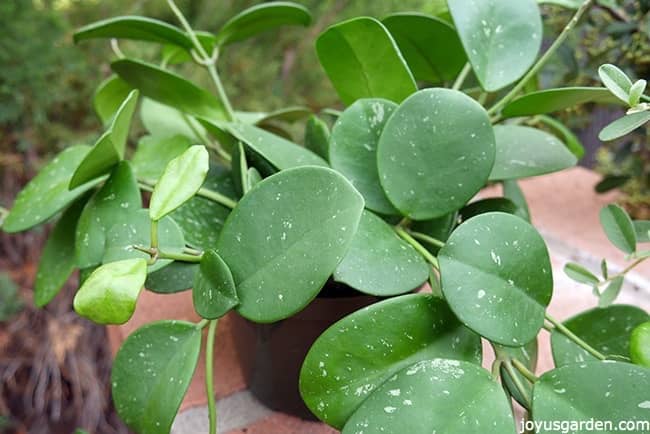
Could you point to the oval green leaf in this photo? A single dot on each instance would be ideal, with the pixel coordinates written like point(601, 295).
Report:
point(356, 355)
point(605, 329)
point(109, 294)
point(362, 60)
point(618, 83)
point(618, 227)
point(353, 149)
point(501, 38)
point(317, 136)
point(435, 153)
point(439, 396)
point(611, 292)
point(512, 191)
point(109, 96)
point(379, 262)
point(214, 293)
point(624, 125)
point(182, 178)
point(491, 204)
point(524, 152)
point(552, 100)
point(496, 276)
point(640, 345)
point(568, 137)
point(151, 373)
point(163, 121)
point(262, 18)
point(298, 223)
point(580, 274)
point(154, 153)
point(176, 277)
point(430, 46)
point(48, 193)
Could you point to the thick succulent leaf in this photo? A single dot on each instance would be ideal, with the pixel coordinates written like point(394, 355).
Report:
point(580, 274)
point(379, 262)
point(523, 152)
point(640, 345)
point(618, 227)
point(512, 191)
point(109, 294)
point(176, 277)
point(154, 153)
point(501, 38)
point(298, 223)
point(163, 121)
point(48, 193)
point(491, 204)
point(317, 136)
point(625, 125)
point(553, 100)
point(262, 18)
point(527, 355)
point(610, 293)
point(568, 137)
point(616, 81)
point(496, 277)
point(357, 354)
point(151, 373)
point(605, 329)
point(636, 91)
point(353, 149)
point(362, 60)
point(435, 153)
point(430, 45)
point(109, 96)
point(214, 293)
point(439, 396)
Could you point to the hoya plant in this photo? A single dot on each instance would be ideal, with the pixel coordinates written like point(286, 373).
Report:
point(226, 204)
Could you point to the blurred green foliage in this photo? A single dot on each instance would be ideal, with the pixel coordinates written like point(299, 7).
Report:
point(10, 302)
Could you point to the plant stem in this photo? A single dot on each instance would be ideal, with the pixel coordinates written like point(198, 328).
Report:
point(427, 239)
point(462, 76)
point(496, 367)
point(624, 271)
point(417, 246)
point(201, 324)
point(542, 60)
point(569, 334)
point(524, 370)
point(217, 197)
point(154, 234)
point(517, 381)
point(212, 70)
point(209, 376)
point(158, 254)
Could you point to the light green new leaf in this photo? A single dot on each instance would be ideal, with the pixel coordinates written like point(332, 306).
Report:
point(612, 392)
point(137, 28)
point(636, 91)
point(214, 293)
point(163, 121)
point(435, 153)
point(429, 44)
point(176, 277)
point(357, 354)
point(182, 178)
point(616, 81)
point(109, 294)
point(285, 238)
point(624, 125)
point(580, 274)
point(618, 227)
point(109, 96)
point(151, 373)
point(439, 396)
point(48, 193)
point(353, 149)
point(169, 89)
point(154, 153)
point(57, 260)
point(317, 136)
point(611, 292)
point(120, 194)
point(262, 18)
point(640, 345)
point(362, 60)
point(524, 152)
point(501, 38)
point(605, 329)
point(553, 100)
point(379, 262)
point(496, 277)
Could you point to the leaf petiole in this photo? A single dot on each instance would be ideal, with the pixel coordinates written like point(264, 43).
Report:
point(569, 334)
point(209, 376)
point(417, 246)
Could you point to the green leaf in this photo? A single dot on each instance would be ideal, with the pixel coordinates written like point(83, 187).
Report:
point(435, 153)
point(605, 329)
point(611, 182)
point(439, 395)
point(527, 355)
point(298, 223)
point(642, 230)
point(362, 60)
point(615, 392)
point(636, 91)
point(176, 277)
point(524, 152)
point(430, 45)
point(57, 260)
point(357, 354)
point(253, 178)
point(491, 204)
point(496, 277)
point(288, 114)
point(280, 152)
point(107, 206)
point(163, 121)
point(47, 193)
point(580, 274)
point(151, 373)
point(616, 81)
point(317, 136)
point(512, 191)
point(570, 140)
point(501, 38)
point(553, 100)
point(618, 227)
point(154, 153)
point(110, 147)
point(624, 125)
point(134, 229)
point(640, 345)
point(214, 293)
point(182, 178)
point(109, 97)
point(611, 292)
point(262, 18)
point(109, 294)
point(239, 168)
point(353, 149)
point(169, 89)
point(134, 27)
point(379, 262)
